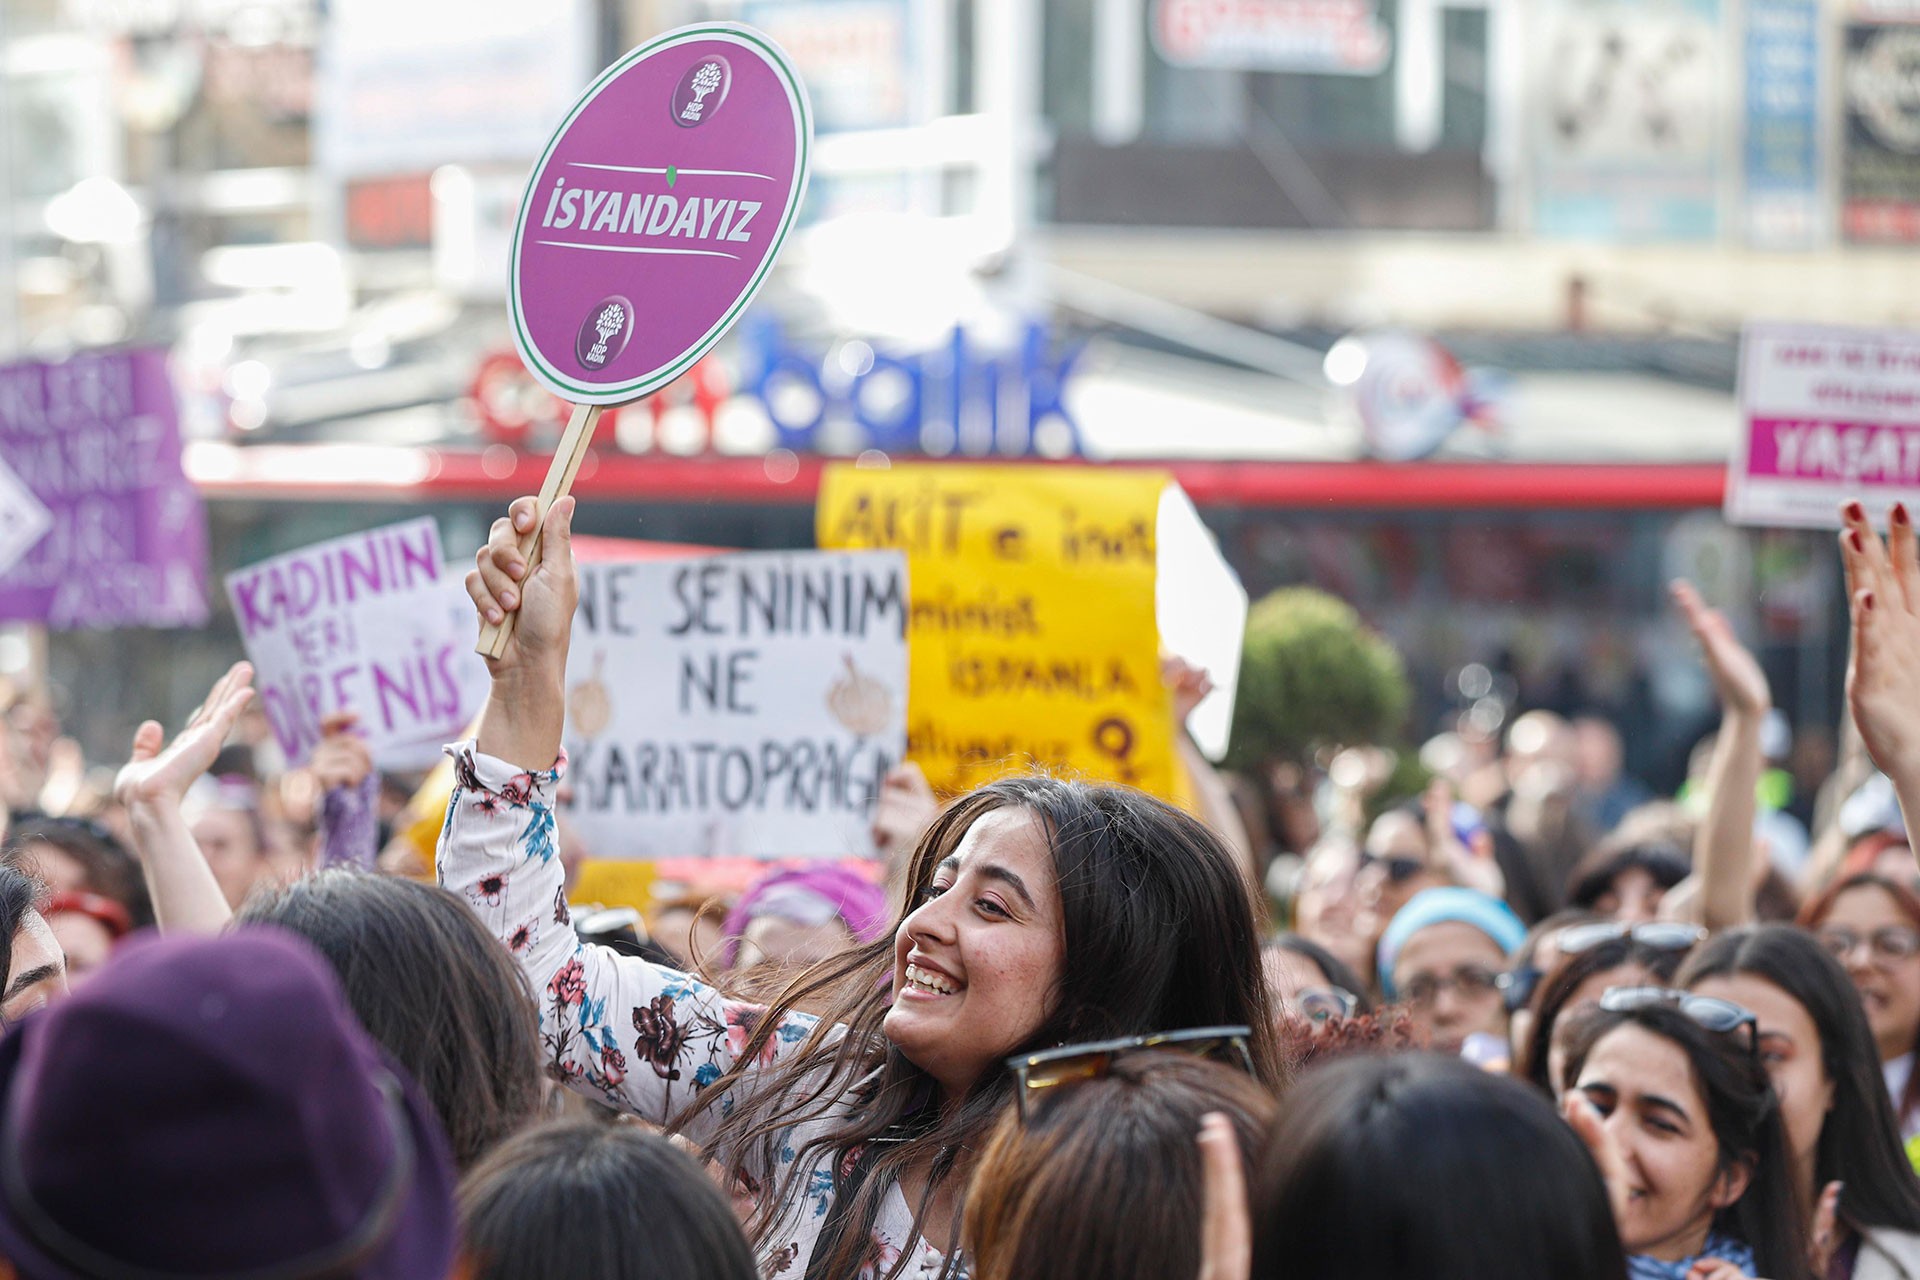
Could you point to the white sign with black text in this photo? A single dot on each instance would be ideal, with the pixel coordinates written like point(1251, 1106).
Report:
point(735, 705)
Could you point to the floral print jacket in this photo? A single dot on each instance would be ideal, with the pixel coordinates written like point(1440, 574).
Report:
point(638, 1036)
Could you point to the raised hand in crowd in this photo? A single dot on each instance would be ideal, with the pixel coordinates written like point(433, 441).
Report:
point(1825, 1235)
point(1470, 865)
point(526, 709)
point(1226, 1225)
point(1190, 685)
point(905, 809)
point(341, 758)
point(1723, 854)
point(1586, 1121)
point(1715, 1269)
point(1883, 667)
point(152, 785)
point(347, 824)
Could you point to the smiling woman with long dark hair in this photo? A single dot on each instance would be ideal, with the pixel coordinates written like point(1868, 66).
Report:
point(1669, 1092)
point(1038, 913)
point(1816, 1045)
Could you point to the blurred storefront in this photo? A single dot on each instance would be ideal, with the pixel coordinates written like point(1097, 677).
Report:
point(1117, 230)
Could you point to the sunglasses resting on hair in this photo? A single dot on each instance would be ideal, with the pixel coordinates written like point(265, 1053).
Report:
point(1656, 935)
point(1034, 1072)
point(1710, 1012)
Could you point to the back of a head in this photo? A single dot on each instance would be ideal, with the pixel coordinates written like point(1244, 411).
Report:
point(430, 984)
point(1104, 1177)
point(1421, 1167)
point(609, 1201)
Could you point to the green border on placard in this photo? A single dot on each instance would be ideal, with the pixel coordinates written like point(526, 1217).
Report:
point(654, 379)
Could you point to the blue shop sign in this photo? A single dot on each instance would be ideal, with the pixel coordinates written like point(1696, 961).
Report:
point(958, 398)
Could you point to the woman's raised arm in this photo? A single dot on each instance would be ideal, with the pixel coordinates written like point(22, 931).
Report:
point(152, 785)
point(1723, 849)
point(638, 1036)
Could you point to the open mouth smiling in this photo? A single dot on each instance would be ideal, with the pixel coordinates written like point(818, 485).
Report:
point(925, 981)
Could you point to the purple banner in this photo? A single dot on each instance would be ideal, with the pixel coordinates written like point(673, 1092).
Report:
point(94, 443)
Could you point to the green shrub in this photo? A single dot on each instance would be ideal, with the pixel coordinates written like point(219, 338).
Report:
point(1313, 675)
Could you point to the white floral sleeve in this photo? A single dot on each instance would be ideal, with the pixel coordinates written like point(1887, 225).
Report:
point(640, 1036)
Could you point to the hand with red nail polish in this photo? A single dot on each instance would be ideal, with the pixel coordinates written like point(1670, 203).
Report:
point(1883, 668)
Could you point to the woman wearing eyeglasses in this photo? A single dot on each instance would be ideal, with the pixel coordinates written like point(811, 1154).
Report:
point(1872, 926)
point(1670, 1095)
point(1039, 913)
point(1818, 1050)
point(1594, 957)
point(1309, 983)
point(1445, 957)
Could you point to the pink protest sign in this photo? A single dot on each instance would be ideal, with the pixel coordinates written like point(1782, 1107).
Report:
point(1828, 413)
point(655, 213)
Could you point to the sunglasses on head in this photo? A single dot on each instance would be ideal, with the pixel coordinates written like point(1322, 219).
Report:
point(1070, 1064)
point(1709, 1012)
point(1655, 935)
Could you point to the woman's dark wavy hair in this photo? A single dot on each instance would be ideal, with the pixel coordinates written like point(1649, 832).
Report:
point(607, 1201)
point(1745, 1118)
point(1104, 1178)
point(1417, 1164)
point(429, 983)
point(1160, 933)
point(1859, 1138)
point(1550, 1001)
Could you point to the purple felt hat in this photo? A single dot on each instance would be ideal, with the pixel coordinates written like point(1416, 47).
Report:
point(209, 1107)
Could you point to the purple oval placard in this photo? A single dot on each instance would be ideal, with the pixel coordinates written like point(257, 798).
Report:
point(656, 211)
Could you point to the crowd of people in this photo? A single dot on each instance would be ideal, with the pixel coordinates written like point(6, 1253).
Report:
point(1528, 1022)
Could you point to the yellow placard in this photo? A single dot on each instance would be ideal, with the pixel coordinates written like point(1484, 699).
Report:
point(1032, 637)
point(615, 884)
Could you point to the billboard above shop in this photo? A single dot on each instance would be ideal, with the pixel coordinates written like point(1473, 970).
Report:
point(404, 89)
point(1626, 141)
point(1319, 37)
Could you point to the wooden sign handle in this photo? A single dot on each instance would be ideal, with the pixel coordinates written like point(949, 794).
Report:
point(560, 473)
